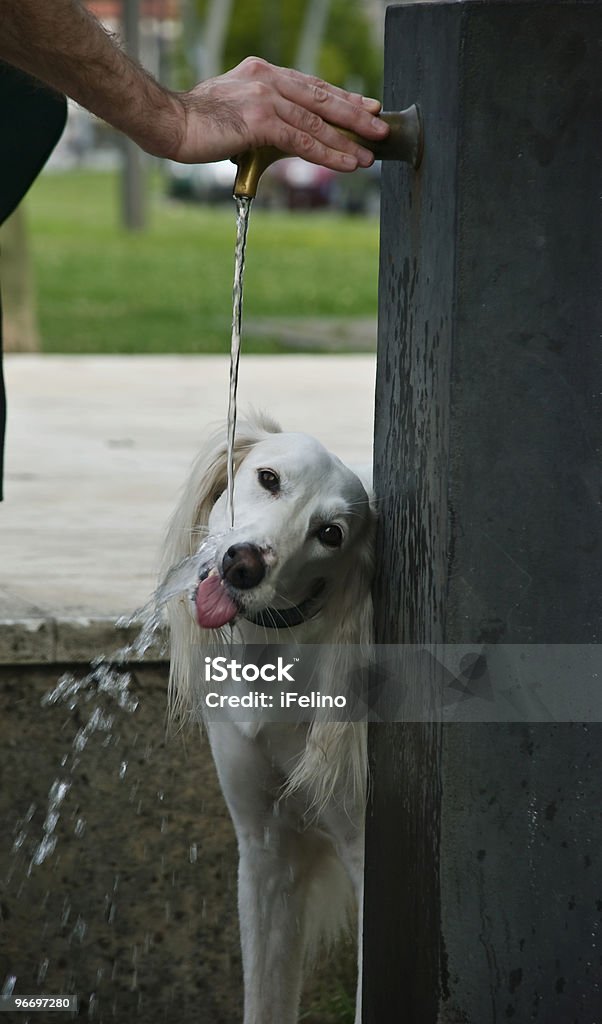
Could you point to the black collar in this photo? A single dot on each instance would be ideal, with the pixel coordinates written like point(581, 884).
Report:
point(284, 618)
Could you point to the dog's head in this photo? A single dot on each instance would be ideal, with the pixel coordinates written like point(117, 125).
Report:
point(302, 537)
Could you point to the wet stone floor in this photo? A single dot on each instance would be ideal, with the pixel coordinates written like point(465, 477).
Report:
point(133, 908)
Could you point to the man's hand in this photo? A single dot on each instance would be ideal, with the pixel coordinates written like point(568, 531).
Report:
point(257, 104)
point(64, 45)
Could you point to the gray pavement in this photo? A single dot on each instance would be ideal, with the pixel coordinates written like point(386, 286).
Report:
point(97, 449)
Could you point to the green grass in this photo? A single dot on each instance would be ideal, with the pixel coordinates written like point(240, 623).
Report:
point(101, 289)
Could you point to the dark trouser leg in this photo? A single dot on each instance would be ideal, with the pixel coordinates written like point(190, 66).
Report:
point(2, 410)
point(32, 118)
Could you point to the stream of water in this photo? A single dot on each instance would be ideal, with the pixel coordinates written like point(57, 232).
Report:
point(183, 577)
point(243, 210)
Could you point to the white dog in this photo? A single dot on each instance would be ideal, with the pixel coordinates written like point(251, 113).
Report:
point(296, 567)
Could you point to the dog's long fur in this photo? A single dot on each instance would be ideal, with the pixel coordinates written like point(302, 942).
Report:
point(296, 795)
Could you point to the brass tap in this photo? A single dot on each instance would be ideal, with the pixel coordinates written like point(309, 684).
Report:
point(404, 142)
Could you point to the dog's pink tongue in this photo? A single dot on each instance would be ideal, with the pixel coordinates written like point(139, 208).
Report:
point(213, 605)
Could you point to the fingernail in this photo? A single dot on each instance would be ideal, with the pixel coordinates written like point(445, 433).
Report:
point(366, 159)
point(379, 125)
point(350, 161)
point(369, 101)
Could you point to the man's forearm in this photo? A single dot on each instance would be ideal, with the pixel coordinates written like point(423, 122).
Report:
point(253, 104)
point(64, 45)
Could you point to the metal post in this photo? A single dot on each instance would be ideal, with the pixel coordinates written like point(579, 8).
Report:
point(484, 842)
point(133, 183)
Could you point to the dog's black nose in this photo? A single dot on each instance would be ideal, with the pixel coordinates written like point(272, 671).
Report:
point(243, 567)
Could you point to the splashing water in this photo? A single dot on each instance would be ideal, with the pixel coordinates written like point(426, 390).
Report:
point(107, 679)
point(58, 792)
point(181, 579)
point(103, 680)
point(243, 210)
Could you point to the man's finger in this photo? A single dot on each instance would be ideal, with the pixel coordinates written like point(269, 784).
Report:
point(299, 143)
point(333, 105)
point(309, 81)
point(312, 126)
point(374, 106)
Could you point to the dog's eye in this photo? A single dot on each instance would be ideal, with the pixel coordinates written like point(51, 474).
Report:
point(330, 535)
point(269, 480)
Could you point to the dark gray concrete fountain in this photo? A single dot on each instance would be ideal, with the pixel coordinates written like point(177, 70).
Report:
point(484, 870)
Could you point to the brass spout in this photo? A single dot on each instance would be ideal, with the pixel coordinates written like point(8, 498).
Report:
point(404, 142)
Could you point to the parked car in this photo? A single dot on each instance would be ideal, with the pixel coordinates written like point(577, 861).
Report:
point(291, 183)
point(205, 183)
point(295, 184)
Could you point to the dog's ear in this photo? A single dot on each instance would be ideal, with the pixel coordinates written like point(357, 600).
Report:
point(206, 481)
point(349, 616)
point(335, 755)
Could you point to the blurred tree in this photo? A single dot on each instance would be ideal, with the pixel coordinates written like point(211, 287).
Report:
point(217, 19)
point(348, 55)
point(312, 36)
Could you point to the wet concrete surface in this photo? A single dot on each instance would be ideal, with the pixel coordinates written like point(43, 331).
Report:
point(135, 909)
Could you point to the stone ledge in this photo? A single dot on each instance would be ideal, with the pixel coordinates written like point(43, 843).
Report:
point(317, 334)
point(48, 640)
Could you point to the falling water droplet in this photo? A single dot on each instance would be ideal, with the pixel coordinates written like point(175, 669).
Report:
point(66, 912)
point(9, 985)
point(57, 793)
point(79, 930)
point(19, 840)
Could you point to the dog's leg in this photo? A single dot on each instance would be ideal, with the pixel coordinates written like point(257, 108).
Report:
point(273, 892)
point(276, 866)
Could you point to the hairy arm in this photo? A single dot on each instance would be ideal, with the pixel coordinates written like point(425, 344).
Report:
point(63, 44)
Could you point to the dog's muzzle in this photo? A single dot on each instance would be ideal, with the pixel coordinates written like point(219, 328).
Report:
point(243, 568)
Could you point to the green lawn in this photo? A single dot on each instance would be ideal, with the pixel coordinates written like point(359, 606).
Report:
point(168, 289)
